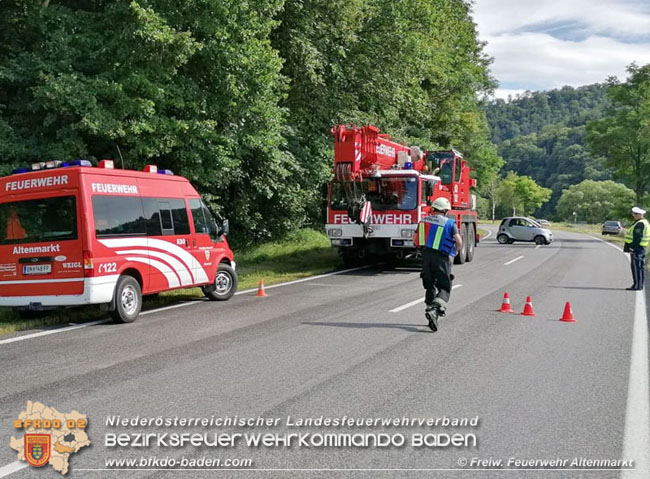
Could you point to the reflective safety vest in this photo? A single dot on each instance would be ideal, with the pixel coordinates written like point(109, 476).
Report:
point(645, 238)
point(435, 232)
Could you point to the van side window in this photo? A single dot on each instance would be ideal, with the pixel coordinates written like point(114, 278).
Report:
point(179, 217)
point(200, 223)
point(118, 216)
point(166, 216)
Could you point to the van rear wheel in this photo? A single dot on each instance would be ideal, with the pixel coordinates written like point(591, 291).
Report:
point(224, 286)
point(127, 300)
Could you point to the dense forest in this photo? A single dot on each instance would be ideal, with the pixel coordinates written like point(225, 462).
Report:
point(239, 96)
point(543, 135)
point(574, 141)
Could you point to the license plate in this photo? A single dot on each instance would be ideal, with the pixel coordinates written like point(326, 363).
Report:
point(37, 269)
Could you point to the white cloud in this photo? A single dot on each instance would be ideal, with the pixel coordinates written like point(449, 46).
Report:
point(611, 17)
point(504, 93)
point(539, 61)
point(546, 44)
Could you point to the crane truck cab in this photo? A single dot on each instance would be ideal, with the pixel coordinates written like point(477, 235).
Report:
point(72, 234)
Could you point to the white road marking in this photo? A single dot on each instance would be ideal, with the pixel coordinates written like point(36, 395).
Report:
point(52, 331)
point(538, 246)
point(165, 308)
point(11, 468)
point(513, 260)
point(636, 441)
point(487, 235)
point(311, 278)
point(417, 301)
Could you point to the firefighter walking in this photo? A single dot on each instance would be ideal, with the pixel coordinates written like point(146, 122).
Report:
point(438, 237)
point(637, 238)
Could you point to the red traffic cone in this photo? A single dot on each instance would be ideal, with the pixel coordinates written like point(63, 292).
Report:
point(260, 289)
point(505, 305)
point(567, 317)
point(528, 309)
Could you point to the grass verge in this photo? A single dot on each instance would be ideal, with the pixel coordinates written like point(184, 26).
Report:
point(304, 253)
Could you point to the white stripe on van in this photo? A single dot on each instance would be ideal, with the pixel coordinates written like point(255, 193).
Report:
point(198, 273)
point(172, 279)
point(177, 266)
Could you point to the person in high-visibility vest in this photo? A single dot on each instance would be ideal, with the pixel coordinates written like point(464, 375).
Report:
point(637, 238)
point(438, 237)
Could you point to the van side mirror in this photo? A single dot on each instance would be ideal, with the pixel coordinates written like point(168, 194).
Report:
point(225, 227)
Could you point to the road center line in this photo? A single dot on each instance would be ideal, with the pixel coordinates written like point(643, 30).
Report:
point(11, 468)
point(512, 260)
point(417, 301)
point(636, 441)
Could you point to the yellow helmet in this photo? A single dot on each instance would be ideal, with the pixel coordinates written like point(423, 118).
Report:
point(441, 204)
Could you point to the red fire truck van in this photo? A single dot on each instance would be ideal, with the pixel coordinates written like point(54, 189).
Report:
point(73, 234)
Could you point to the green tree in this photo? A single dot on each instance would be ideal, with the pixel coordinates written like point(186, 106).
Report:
point(411, 67)
point(520, 195)
point(621, 136)
point(191, 85)
point(595, 201)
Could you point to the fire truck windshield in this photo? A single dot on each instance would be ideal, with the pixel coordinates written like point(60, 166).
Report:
point(392, 193)
point(43, 219)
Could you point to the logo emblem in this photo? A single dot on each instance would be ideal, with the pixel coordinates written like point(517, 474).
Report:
point(37, 449)
point(207, 254)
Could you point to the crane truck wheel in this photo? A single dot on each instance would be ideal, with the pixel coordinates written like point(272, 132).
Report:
point(350, 257)
point(471, 240)
point(462, 254)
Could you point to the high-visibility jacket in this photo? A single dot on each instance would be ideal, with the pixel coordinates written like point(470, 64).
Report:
point(645, 237)
point(435, 232)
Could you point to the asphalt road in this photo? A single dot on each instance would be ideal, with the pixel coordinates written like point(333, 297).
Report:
point(347, 345)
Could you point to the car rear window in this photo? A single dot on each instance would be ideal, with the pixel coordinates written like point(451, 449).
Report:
point(611, 223)
point(43, 219)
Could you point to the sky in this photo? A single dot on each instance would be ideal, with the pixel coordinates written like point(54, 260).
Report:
point(546, 44)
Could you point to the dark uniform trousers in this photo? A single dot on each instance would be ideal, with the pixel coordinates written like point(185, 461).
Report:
point(436, 276)
point(637, 263)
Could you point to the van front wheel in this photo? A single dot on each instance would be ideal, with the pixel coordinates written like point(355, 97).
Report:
point(224, 286)
point(128, 300)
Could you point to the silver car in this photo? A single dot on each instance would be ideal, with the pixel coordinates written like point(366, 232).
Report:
point(519, 228)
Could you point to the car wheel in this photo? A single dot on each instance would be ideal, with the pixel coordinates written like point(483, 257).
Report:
point(460, 255)
point(539, 239)
point(503, 239)
point(127, 300)
point(471, 240)
point(224, 286)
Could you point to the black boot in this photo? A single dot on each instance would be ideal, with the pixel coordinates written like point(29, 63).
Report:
point(432, 316)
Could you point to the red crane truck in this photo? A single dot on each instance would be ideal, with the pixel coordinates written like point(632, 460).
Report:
point(381, 189)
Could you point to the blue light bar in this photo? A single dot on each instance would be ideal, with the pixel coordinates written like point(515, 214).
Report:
point(20, 170)
point(165, 172)
point(81, 163)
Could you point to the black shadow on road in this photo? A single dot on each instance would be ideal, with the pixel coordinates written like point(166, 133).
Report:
point(405, 327)
point(587, 287)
